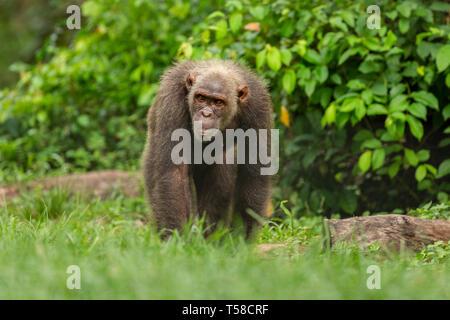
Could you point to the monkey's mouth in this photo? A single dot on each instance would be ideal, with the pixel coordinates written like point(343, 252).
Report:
point(205, 134)
point(206, 131)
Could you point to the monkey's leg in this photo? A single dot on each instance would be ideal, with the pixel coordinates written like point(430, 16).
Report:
point(253, 192)
point(215, 187)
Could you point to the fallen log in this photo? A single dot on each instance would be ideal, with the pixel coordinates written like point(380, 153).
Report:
point(93, 184)
point(392, 231)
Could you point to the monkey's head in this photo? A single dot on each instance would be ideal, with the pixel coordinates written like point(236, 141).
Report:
point(214, 99)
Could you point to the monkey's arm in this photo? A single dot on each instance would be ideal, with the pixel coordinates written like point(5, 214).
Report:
point(167, 184)
point(170, 196)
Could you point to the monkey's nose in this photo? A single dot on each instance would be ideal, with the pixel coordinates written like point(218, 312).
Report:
point(206, 113)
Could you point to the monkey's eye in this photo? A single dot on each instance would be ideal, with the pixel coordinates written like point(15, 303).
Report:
point(201, 98)
point(219, 103)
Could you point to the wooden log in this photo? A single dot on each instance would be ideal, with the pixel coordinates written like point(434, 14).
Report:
point(392, 231)
point(94, 184)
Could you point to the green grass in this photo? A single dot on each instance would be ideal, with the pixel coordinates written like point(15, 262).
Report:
point(122, 258)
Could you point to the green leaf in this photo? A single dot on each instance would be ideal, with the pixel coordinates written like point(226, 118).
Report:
point(286, 56)
point(330, 115)
point(360, 110)
point(325, 96)
point(364, 161)
point(393, 169)
point(446, 112)
point(289, 80)
point(423, 155)
point(395, 128)
point(426, 98)
point(258, 12)
point(399, 103)
point(221, 29)
point(337, 22)
point(347, 54)
point(378, 158)
point(260, 59)
point(312, 57)
point(336, 79)
point(348, 17)
point(350, 104)
point(342, 118)
point(410, 155)
point(390, 40)
point(356, 84)
point(392, 14)
point(443, 58)
point(274, 59)
point(415, 126)
point(91, 8)
point(424, 49)
point(447, 80)
point(235, 22)
point(348, 202)
point(399, 116)
point(444, 169)
point(321, 73)
point(405, 7)
point(367, 96)
point(440, 6)
point(83, 120)
point(419, 110)
point(431, 169)
point(310, 87)
point(396, 90)
point(216, 14)
point(304, 74)
point(362, 135)
point(235, 4)
point(376, 109)
point(372, 44)
point(394, 51)
point(379, 89)
point(369, 66)
point(446, 141)
point(403, 25)
point(371, 144)
point(421, 172)
point(442, 196)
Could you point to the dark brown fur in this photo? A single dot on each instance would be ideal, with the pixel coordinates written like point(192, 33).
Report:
point(219, 187)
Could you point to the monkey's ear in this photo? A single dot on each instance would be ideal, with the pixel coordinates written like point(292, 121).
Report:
point(242, 93)
point(190, 81)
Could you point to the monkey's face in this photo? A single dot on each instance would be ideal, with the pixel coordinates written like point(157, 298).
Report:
point(213, 102)
point(209, 110)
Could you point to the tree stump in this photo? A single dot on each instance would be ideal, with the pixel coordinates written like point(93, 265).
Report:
point(393, 231)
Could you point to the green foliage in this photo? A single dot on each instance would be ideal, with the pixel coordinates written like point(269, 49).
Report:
point(84, 106)
point(367, 108)
point(427, 211)
point(364, 110)
point(24, 27)
point(438, 252)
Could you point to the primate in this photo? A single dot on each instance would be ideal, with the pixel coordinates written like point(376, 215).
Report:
point(219, 95)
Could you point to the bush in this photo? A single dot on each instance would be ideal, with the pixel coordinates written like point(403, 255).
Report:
point(85, 106)
point(362, 112)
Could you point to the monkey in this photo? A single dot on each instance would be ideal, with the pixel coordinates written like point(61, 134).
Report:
point(220, 95)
